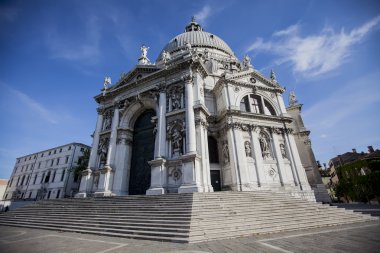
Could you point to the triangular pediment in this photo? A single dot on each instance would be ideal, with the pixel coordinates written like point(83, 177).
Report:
point(252, 76)
point(137, 73)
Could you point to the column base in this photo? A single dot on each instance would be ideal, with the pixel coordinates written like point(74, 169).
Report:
point(189, 189)
point(104, 194)
point(155, 191)
point(80, 195)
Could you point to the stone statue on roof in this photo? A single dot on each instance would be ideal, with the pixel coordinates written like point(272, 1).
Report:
point(292, 99)
point(247, 62)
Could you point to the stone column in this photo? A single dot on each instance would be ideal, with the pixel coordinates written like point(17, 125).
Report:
point(300, 171)
point(241, 160)
point(95, 141)
point(259, 162)
point(122, 159)
point(191, 177)
point(161, 126)
point(190, 120)
point(113, 138)
point(281, 104)
point(207, 161)
point(279, 159)
point(105, 178)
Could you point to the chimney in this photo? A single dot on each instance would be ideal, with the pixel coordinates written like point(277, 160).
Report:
point(354, 150)
point(370, 149)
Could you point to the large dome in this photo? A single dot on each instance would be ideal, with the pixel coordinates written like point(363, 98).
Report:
point(195, 35)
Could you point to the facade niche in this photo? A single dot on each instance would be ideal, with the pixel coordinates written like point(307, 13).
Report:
point(176, 133)
point(265, 146)
point(175, 100)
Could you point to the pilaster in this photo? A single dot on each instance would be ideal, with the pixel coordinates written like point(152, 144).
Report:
point(158, 177)
point(95, 141)
point(190, 119)
point(84, 184)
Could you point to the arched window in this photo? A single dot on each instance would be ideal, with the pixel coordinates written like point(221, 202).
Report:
point(256, 104)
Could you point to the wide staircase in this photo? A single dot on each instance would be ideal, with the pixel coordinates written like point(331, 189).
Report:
point(185, 218)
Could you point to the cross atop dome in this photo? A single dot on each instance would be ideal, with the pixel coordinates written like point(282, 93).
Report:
point(193, 26)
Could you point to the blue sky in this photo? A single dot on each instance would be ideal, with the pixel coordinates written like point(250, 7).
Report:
point(55, 54)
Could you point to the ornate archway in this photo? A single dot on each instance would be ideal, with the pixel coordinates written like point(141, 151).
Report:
point(142, 152)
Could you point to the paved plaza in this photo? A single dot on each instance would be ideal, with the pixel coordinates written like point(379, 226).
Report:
point(360, 237)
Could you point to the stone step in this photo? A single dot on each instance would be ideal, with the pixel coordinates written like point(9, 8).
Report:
point(172, 238)
point(110, 225)
point(181, 217)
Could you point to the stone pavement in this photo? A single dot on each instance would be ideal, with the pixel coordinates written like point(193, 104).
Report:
point(359, 237)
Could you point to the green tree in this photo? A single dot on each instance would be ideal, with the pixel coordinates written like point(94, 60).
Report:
point(82, 163)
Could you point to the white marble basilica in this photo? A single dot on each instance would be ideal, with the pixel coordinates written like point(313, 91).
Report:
point(196, 120)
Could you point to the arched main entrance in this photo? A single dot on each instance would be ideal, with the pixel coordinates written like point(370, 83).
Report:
point(142, 152)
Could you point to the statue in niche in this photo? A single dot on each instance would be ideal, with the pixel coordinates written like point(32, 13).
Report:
point(107, 123)
point(177, 142)
point(102, 152)
point(283, 152)
point(247, 146)
point(226, 153)
point(264, 147)
point(176, 100)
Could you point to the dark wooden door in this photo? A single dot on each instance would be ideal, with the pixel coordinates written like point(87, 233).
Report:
point(215, 180)
point(142, 152)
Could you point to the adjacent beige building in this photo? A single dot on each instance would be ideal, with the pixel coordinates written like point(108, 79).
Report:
point(46, 174)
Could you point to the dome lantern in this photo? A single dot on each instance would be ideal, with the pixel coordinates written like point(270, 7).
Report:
point(193, 26)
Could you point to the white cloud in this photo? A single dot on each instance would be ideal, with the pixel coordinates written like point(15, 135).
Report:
point(83, 48)
point(35, 106)
point(316, 54)
point(203, 14)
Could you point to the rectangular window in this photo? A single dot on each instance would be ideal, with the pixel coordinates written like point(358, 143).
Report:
point(35, 178)
point(52, 162)
point(42, 178)
point(39, 165)
point(69, 148)
point(42, 155)
point(58, 193)
point(18, 181)
point(67, 160)
point(63, 175)
point(30, 195)
point(55, 151)
point(32, 166)
point(49, 152)
point(60, 150)
point(81, 149)
point(57, 161)
point(52, 180)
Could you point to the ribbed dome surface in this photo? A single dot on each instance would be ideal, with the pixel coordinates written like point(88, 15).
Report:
point(197, 39)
